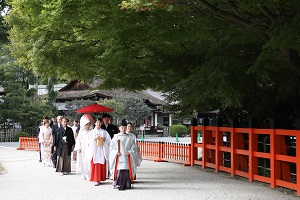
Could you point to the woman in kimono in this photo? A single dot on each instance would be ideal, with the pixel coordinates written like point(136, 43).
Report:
point(81, 146)
point(122, 158)
point(46, 140)
point(99, 152)
point(139, 158)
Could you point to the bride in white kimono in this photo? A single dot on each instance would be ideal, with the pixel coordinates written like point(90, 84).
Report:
point(122, 159)
point(82, 147)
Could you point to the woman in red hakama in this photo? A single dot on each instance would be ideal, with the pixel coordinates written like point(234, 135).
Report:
point(99, 152)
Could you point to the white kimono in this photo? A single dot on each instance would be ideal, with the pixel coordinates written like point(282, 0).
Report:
point(46, 140)
point(138, 157)
point(82, 148)
point(127, 144)
point(98, 153)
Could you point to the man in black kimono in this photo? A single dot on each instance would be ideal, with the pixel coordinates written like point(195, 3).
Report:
point(110, 128)
point(64, 145)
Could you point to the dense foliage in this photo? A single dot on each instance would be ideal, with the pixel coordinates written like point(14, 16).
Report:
point(178, 129)
point(129, 108)
point(21, 134)
point(241, 57)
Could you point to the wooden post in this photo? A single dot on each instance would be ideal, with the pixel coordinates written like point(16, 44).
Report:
point(218, 153)
point(251, 158)
point(119, 146)
point(275, 168)
point(193, 149)
point(298, 166)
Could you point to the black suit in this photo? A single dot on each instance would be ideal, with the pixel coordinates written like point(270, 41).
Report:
point(54, 134)
point(70, 139)
point(111, 129)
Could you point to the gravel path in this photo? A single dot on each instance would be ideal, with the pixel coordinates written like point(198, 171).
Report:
point(26, 178)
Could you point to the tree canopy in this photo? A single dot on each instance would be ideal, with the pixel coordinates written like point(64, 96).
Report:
point(241, 57)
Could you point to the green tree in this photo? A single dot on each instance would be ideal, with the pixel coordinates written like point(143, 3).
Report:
point(135, 109)
point(241, 57)
point(127, 107)
point(20, 104)
point(72, 106)
point(118, 107)
point(52, 95)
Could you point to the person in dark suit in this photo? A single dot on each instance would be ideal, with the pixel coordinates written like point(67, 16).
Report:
point(55, 127)
point(64, 145)
point(110, 128)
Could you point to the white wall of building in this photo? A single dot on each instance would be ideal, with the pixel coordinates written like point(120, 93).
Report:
point(42, 89)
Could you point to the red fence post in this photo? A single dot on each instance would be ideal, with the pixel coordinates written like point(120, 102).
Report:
point(298, 165)
point(285, 167)
point(218, 155)
point(232, 152)
point(193, 150)
point(160, 152)
point(274, 164)
point(251, 158)
point(204, 150)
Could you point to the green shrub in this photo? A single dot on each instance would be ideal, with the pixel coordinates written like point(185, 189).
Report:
point(21, 134)
point(179, 129)
point(135, 133)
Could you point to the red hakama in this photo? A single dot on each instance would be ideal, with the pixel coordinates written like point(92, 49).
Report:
point(98, 172)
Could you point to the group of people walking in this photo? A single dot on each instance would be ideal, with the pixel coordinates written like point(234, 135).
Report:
point(101, 150)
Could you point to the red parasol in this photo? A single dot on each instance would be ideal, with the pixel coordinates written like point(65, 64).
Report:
point(94, 108)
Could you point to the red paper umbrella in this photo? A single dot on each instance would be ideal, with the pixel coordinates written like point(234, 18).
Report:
point(94, 108)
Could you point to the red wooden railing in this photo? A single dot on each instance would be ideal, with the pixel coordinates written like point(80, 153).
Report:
point(244, 155)
point(26, 143)
point(165, 151)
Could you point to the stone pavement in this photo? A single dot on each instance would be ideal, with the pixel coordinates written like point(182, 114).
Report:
point(25, 179)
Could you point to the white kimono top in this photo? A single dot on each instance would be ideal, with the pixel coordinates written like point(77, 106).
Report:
point(99, 153)
point(45, 135)
point(127, 144)
point(82, 163)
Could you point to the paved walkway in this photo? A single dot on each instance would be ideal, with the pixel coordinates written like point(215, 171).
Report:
point(26, 178)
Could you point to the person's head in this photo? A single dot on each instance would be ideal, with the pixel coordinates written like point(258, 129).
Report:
point(64, 122)
point(87, 126)
point(86, 122)
point(123, 127)
point(111, 119)
point(129, 127)
point(105, 118)
point(53, 119)
point(98, 123)
point(75, 122)
point(59, 119)
point(45, 119)
point(47, 124)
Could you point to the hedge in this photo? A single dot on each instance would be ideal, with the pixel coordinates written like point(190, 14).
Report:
point(179, 129)
point(21, 134)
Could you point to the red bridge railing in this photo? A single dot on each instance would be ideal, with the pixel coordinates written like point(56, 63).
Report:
point(242, 151)
point(165, 151)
